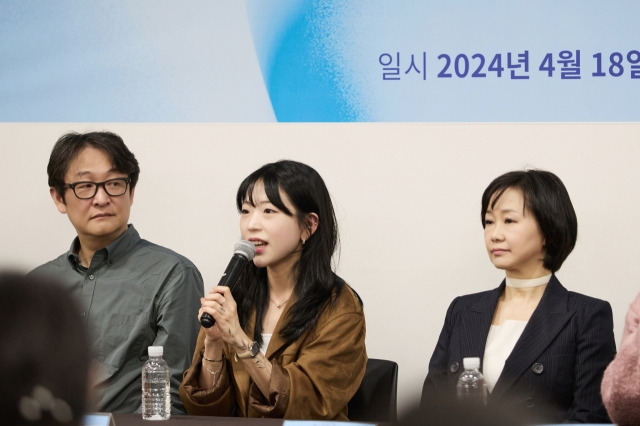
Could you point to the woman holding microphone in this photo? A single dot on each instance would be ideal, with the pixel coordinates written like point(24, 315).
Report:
point(289, 341)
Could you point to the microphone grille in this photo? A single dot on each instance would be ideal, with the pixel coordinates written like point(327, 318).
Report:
point(245, 248)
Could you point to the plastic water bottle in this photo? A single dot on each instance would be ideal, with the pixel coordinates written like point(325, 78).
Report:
point(156, 395)
point(472, 389)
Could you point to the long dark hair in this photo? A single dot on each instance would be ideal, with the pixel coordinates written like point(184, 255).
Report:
point(315, 282)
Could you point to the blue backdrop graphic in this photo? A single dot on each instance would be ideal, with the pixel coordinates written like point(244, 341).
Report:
point(319, 60)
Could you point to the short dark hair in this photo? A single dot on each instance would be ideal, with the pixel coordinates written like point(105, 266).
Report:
point(45, 348)
point(547, 198)
point(69, 146)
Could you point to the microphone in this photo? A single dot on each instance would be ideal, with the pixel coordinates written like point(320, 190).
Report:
point(243, 252)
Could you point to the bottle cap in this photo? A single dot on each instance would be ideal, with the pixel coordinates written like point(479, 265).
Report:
point(155, 350)
point(471, 363)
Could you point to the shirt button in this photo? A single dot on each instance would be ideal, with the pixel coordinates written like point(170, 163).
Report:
point(110, 261)
point(83, 314)
point(537, 368)
point(454, 367)
point(91, 277)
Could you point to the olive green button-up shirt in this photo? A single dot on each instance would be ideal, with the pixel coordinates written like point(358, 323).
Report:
point(135, 294)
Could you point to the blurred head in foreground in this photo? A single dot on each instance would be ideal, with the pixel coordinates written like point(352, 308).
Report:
point(45, 354)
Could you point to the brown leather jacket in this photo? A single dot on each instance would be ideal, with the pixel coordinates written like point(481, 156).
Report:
point(313, 378)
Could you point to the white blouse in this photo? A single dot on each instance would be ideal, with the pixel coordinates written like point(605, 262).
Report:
point(266, 338)
point(503, 338)
point(500, 342)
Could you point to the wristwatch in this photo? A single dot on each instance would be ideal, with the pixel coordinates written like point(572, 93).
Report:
point(254, 348)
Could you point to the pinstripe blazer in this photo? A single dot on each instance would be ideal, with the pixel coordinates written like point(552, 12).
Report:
point(553, 373)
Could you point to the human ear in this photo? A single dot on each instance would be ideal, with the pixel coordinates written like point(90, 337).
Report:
point(311, 224)
point(58, 200)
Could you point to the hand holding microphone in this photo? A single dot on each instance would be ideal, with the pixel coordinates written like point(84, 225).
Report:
point(243, 252)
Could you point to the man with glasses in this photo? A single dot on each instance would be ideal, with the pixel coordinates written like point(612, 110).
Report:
point(133, 293)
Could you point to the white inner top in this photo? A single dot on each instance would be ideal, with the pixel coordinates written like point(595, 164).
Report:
point(503, 338)
point(266, 338)
point(500, 342)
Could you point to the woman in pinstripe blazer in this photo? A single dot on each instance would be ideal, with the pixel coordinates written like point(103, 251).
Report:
point(543, 348)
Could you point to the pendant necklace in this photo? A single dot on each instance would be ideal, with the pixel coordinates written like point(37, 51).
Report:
point(279, 305)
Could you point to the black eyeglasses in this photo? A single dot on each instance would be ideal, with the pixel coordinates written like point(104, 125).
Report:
point(86, 190)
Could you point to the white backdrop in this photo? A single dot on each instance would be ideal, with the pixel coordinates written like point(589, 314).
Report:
point(407, 198)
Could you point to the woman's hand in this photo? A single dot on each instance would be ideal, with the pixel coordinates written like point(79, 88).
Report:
point(219, 303)
point(208, 304)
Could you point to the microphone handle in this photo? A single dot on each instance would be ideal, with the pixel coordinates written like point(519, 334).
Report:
point(228, 279)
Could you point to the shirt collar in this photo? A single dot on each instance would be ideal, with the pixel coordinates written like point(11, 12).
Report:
point(114, 251)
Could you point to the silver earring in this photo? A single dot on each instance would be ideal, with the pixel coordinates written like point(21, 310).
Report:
point(303, 241)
